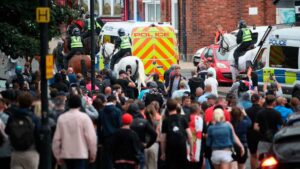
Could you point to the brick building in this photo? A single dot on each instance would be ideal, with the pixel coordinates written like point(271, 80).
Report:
point(201, 17)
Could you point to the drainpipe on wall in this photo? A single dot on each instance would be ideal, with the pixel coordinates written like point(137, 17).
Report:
point(135, 10)
point(184, 40)
point(297, 12)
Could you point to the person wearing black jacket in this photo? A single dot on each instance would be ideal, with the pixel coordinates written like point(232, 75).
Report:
point(126, 146)
point(195, 82)
point(143, 129)
point(25, 146)
point(253, 135)
point(109, 122)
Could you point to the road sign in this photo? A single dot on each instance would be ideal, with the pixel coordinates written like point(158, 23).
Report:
point(42, 15)
point(49, 66)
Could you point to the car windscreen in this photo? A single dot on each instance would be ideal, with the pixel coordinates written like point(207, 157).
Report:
point(284, 57)
point(222, 56)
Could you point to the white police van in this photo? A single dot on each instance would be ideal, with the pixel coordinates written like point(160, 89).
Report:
point(280, 56)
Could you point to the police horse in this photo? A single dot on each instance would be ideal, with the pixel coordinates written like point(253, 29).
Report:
point(131, 64)
point(228, 44)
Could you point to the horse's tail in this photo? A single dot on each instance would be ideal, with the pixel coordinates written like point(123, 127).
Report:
point(137, 69)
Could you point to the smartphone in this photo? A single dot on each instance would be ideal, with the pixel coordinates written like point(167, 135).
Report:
point(271, 76)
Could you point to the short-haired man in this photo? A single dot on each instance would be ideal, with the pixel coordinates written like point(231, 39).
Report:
point(253, 135)
point(267, 123)
point(80, 142)
point(284, 112)
point(175, 133)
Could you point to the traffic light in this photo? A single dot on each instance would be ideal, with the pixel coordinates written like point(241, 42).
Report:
point(275, 1)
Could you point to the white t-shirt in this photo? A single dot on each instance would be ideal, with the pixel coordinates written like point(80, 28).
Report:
point(211, 69)
point(214, 85)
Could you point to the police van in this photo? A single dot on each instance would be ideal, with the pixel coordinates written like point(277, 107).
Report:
point(154, 43)
point(281, 57)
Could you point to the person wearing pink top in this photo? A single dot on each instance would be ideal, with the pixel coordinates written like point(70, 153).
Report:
point(75, 140)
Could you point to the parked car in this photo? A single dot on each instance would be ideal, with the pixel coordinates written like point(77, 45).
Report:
point(285, 150)
point(221, 63)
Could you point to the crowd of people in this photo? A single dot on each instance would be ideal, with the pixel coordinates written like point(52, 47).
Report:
point(176, 124)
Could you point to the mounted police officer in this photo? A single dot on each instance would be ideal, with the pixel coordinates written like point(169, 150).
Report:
point(88, 27)
point(244, 38)
point(75, 44)
point(123, 43)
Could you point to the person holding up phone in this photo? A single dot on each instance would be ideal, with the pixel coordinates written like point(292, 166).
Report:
point(274, 88)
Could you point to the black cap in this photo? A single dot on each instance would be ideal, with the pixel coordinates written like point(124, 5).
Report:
point(122, 72)
point(212, 96)
point(133, 109)
point(152, 85)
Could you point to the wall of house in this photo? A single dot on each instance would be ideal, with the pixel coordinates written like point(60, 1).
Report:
point(202, 16)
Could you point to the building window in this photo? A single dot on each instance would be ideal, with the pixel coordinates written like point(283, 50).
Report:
point(106, 6)
point(117, 7)
point(152, 11)
point(86, 5)
point(112, 8)
point(175, 20)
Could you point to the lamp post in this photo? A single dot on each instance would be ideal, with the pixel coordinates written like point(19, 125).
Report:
point(43, 17)
point(92, 44)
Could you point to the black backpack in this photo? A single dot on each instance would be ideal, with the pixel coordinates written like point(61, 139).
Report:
point(243, 86)
point(176, 133)
point(21, 132)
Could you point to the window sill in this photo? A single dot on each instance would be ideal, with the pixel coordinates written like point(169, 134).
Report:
point(109, 16)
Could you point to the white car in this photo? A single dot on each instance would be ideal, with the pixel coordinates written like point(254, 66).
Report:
point(196, 57)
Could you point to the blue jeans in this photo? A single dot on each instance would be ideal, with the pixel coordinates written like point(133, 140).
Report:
point(76, 163)
point(142, 160)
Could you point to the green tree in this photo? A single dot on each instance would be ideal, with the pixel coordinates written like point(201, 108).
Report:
point(19, 31)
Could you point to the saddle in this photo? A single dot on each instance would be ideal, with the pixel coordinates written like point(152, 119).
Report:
point(125, 55)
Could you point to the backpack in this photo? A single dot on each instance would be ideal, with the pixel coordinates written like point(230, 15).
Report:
point(21, 132)
point(176, 133)
point(244, 86)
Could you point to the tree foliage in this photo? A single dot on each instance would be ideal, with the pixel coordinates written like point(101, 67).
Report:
point(19, 31)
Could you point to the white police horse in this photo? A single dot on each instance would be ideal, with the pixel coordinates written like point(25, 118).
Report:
point(228, 44)
point(129, 62)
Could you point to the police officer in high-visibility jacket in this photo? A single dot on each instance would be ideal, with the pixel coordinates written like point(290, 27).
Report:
point(75, 44)
point(244, 38)
point(123, 43)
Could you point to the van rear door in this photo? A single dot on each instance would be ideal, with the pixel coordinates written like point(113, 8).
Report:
point(156, 46)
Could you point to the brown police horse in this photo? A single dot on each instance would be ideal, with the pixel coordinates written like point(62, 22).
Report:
point(79, 62)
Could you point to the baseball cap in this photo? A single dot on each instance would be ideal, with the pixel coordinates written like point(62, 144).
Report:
point(127, 119)
point(211, 96)
point(152, 85)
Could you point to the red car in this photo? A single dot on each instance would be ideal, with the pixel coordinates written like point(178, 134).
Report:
point(221, 63)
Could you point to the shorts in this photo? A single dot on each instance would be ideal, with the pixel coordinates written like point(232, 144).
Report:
point(253, 139)
point(221, 156)
point(241, 159)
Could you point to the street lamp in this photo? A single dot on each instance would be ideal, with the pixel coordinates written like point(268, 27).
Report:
point(92, 21)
